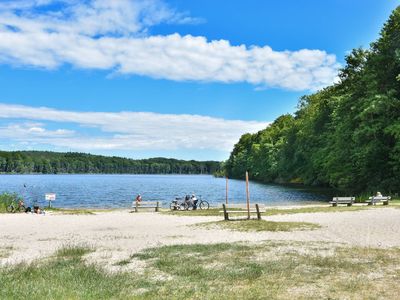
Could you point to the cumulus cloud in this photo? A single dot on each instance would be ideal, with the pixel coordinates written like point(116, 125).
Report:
point(123, 130)
point(114, 35)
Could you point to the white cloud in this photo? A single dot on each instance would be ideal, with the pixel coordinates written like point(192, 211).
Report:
point(25, 131)
point(113, 35)
point(123, 130)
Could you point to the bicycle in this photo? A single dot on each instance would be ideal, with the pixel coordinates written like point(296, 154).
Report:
point(188, 204)
point(203, 204)
point(14, 207)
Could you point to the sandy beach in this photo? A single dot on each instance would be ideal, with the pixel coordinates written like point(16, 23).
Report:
point(118, 234)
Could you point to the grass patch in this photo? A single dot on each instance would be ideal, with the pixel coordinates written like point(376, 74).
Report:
point(260, 225)
point(75, 252)
point(70, 211)
point(66, 276)
point(314, 209)
point(123, 262)
point(269, 270)
point(5, 251)
point(198, 212)
point(284, 211)
point(323, 209)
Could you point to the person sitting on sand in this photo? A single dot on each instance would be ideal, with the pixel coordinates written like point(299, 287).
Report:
point(187, 200)
point(38, 210)
point(194, 200)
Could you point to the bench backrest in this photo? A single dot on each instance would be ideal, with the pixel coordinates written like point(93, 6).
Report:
point(344, 199)
point(148, 203)
point(380, 198)
point(243, 206)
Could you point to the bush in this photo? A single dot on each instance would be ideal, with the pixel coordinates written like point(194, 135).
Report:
point(6, 199)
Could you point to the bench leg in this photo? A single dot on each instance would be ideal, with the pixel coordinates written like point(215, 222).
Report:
point(369, 203)
point(258, 212)
point(385, 202)
point(157, 207)
point(226, 217)
point(334, 204)
point(348, 204)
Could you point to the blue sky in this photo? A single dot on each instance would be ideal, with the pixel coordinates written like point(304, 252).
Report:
point(171, 78)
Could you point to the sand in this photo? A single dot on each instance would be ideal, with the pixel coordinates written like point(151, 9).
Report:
point(118, 234)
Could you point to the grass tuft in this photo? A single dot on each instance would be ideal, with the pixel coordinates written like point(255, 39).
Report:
point(123, 262)
point(76, 252)
point(260, 225)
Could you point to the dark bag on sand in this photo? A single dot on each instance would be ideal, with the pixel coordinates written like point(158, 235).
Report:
point(28, 209)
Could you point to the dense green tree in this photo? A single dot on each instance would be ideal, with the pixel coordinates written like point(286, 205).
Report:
point(346, 136)
point(54, 163)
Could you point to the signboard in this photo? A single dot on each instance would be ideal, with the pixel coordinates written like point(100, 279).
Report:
point(50, 197)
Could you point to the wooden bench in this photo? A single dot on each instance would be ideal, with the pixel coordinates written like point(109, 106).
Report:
point(375, 199)
point(342, 200)
point(146, 204)
point(242, 209)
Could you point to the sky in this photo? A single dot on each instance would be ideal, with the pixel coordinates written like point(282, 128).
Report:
point(171, 78)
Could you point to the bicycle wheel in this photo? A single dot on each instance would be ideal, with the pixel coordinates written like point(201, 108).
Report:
point(172, 206)
point(22, 208)
point(204, 205)
point(184, 206)
point(11, 208)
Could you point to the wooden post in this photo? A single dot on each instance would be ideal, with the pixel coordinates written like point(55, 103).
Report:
point(226, 200)
point(247, 195)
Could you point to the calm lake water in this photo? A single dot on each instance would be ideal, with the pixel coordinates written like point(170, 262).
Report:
point(117, 191)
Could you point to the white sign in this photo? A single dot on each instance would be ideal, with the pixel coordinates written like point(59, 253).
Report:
point(50, 197)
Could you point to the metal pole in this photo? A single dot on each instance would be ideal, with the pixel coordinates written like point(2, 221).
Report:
point(247, 195)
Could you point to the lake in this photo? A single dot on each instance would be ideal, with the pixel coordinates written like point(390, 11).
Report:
point(117, 191)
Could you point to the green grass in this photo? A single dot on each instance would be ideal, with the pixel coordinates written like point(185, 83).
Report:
point(283, 211)
point(269, 270)
point(72, 252)
point(5, 251)
point(197, 212)
point(67, 211)
point(65, 277)
point(260, 225)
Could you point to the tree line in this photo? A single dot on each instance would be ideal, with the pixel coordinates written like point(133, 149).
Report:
point(44, 162)
point(346, 136)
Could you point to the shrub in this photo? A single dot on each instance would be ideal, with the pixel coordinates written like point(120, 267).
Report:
point(6, 199)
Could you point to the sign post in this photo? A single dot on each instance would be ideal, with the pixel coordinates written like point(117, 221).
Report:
point(50, 197)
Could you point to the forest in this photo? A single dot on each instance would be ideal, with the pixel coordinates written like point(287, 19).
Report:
point(346, 136)
point(44, 162)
